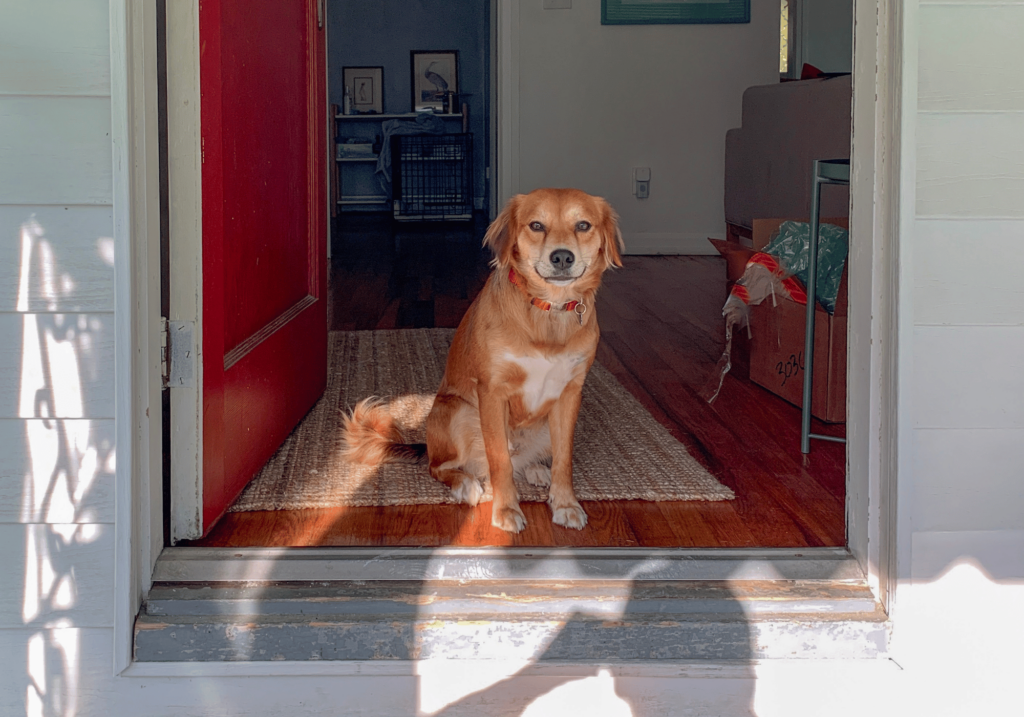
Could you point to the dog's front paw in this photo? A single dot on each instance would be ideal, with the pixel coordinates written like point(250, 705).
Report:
point(509, 519)
point(468, 491)
point(570, 516)
point(538, 474)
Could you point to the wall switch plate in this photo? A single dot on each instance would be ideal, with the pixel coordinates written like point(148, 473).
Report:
point(558, 4)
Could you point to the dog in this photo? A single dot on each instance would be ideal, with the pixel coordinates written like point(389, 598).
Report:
point(510, 395)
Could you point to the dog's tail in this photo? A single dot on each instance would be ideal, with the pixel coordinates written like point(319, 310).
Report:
point(372, 436)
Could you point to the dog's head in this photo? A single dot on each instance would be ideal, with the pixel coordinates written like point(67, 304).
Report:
point(559, 240)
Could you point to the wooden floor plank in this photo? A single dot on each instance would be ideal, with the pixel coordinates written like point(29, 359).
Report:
point(662, 334)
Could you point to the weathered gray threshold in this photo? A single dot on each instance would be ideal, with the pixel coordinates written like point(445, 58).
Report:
point(276, 564)
point(547, 605)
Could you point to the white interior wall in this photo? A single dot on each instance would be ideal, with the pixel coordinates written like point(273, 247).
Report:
point(826, 35)
point(596, 100)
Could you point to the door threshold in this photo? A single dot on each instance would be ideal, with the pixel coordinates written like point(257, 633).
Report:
point(576, 621)
point(239, 565)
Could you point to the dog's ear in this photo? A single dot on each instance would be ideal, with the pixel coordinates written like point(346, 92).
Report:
point(611, 245)
point(501, 235)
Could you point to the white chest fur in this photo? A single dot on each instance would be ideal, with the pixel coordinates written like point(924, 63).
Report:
point(546, 378)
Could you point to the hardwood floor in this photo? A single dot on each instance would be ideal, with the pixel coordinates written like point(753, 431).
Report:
point(661, 335)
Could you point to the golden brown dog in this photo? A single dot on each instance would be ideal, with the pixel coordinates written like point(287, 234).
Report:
point(510, 395)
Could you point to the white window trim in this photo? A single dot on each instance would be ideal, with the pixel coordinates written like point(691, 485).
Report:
point(875, 223)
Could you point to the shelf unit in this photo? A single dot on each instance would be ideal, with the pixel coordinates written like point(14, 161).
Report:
point(359, 171)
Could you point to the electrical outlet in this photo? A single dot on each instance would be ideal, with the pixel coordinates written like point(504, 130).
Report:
point(642, 182)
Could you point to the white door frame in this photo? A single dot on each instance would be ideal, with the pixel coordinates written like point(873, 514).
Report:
point(506, 94)
point(874, 225)
point(872, 396)
point(138, 475)
point(185, 210)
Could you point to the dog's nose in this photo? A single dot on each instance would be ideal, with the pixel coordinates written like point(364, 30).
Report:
point(562, 259)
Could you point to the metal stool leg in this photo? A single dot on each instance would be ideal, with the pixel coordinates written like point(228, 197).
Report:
point(824, 172)
point(812, 278)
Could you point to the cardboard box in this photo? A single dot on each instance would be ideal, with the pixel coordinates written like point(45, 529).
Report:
point(777, 343)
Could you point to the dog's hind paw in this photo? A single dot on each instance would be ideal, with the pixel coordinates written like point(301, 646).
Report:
point(538, 474)
point(468, 491)
point(571, 516)
point(509, 519)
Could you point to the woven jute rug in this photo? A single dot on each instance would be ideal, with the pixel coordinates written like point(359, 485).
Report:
point(621, 452)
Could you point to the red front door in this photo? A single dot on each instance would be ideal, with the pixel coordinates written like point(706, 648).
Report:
point(264, 125)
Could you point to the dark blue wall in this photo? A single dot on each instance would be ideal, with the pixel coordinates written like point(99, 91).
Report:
point(372, 33)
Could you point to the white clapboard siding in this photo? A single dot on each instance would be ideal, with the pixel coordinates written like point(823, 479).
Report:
point(1000, 553)
point(57, 571)
point(59, 365)
point(968, 377)
point(55, 150)
point(55, 47)
point(971, 60)
point(58, 471)
point(966, 272)
point(969, 479)
point(55, 258)
point(47, 658)
point(970, 165)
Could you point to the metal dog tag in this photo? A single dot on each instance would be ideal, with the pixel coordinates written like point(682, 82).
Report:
point(580, 309)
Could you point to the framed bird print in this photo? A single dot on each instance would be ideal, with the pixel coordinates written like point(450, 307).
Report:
point(435, 73)
point(365, 87)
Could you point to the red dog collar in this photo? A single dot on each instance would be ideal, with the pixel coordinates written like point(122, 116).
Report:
point(547, 305)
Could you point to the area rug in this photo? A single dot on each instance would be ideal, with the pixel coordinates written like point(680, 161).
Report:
point(621, 452)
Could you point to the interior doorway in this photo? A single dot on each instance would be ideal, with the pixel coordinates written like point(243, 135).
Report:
point(661, 337)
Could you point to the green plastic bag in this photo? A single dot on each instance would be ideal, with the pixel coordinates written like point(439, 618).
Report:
point(790, 248)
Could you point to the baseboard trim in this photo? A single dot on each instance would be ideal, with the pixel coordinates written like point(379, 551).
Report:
point(670, 243)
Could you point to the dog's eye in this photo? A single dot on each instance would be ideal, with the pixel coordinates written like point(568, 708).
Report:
point(582, 226)
point(537, 226)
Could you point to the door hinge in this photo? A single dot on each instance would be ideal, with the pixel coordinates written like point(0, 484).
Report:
point(177, 353)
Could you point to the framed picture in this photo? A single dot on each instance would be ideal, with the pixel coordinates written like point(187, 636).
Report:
point(366, 88)
point(434, 73)
point(659, 12)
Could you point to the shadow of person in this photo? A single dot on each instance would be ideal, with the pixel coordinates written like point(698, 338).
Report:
point(608, 631)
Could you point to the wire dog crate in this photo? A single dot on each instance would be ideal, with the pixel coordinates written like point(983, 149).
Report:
point(432, 177)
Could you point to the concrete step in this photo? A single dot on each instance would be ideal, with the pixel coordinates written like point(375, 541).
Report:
point(594, 620)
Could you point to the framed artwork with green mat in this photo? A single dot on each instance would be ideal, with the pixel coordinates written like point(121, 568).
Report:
point(665, 12)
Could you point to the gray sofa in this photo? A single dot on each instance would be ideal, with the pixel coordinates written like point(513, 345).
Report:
point(768, 159)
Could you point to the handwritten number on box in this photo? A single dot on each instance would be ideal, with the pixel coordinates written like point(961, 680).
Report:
point(789, 369)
